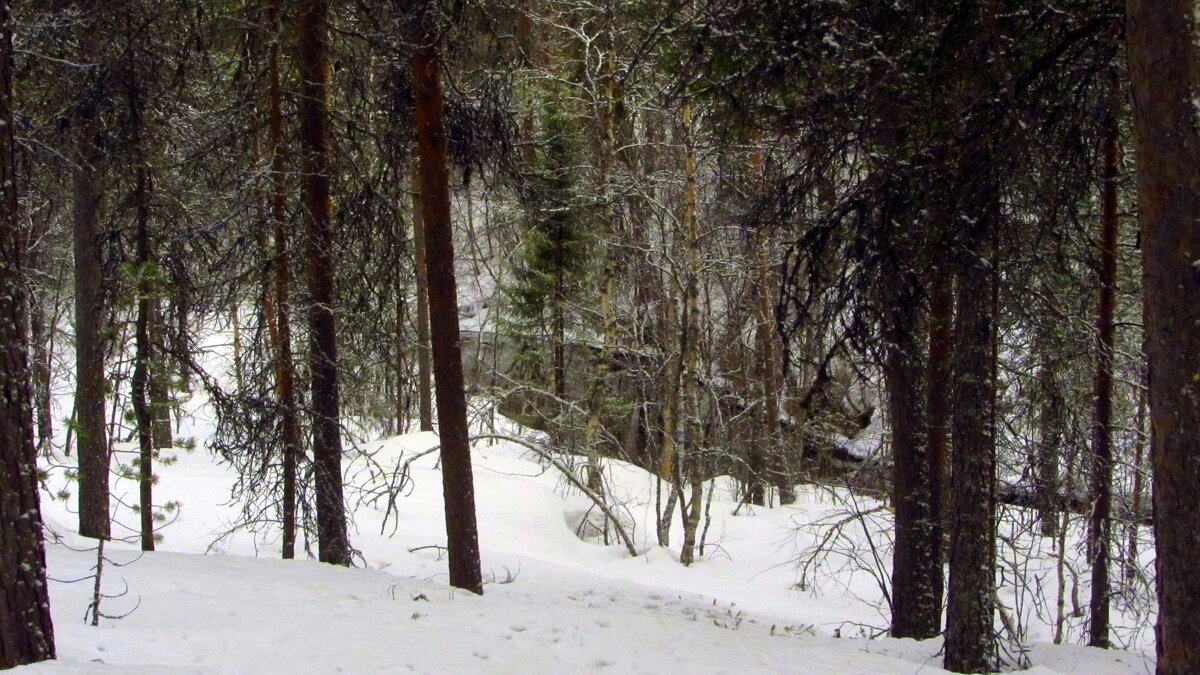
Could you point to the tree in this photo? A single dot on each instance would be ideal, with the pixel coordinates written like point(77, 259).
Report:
point(1100, 530)
point(1161, 41)
point(315, 140)
point(458, 483)
point(278, 313)
point(90, 385)
point(26, 630)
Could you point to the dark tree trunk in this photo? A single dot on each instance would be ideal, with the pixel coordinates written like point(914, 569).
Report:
point(424, 379)
point(315, 140)
point(89, 348)
point(462, 539)
point(970, 646)
point(916, 560)
point(159, 387)
point(937, 402)
point(1100, 530)
point(26, 632)
point(1046, 461)
point(769, 380)
point(1162, 58)
point(40, 333)
point(281, 293)
point(140, 381)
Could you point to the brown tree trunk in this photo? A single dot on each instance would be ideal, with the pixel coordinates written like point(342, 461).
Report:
point(600, 390)
point(315, 141)
point(159, 385)
point(282, 286)
point(1046, 460)
point(41, 335)
point(458, 485)
point(937, 402)
point(1100, 530)
point(969, 646)
point(1132, 567)
point(917, 581)
point(769, 447)
point(89, 347)
point(1163, 54)
point(420, 264)
point(689, 351)
point(26, 631)
point(140, 381)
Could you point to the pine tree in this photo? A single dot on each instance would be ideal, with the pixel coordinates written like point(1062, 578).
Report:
point(1163, 52)
point(26, 630)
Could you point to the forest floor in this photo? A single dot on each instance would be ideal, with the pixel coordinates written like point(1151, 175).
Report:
point(215, 598)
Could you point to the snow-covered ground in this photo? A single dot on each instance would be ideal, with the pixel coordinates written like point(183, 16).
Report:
point(554, 602)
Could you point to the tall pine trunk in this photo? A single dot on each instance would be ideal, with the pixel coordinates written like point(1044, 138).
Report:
point(90, 383)
point(458, 485)
point(937, 402)
point(1163, 53)
point(315, 141)
point(420, 268)
point(143, 350)
point(1100, 529)
point(916, 559)
point(280, 291)
point(970, 646)
point(26, 631)
point(1046, 458)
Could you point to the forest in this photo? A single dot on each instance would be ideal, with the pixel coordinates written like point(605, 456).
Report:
point(871, 322)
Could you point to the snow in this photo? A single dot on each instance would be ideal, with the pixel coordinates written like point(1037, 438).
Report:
point(553, 602)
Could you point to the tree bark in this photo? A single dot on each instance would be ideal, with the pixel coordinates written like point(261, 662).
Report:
point(1046, 459)
point(89, 348)
point(1162, 46)
point(689, 351)
point(140, 381)
point(420, 265)
point(315, 140)
point(917, 581)
point(41, 334)
point(462, 539)
point(937, 401)
point(281, 337)
point(1100, 530)
point(26, 631)
point(970, 646)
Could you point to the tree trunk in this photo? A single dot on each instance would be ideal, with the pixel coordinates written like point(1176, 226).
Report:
point(89, 348)
point(41, 335)
point(1100, 530)
point(1046, 460)
point(1162, 47)
point(462, 539)
point(916, 558)
point(768, 446)
point(315, 140)
point(969, 646)
point(26, 631)
point(689, 352)
point(1132, 567)
point(937, 402)
point(159, 384)
point(424, 376)
point(140, 381)
point(600, 391)
point(282, 286)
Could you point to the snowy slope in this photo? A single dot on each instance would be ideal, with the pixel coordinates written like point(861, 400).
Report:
point(554, 602)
